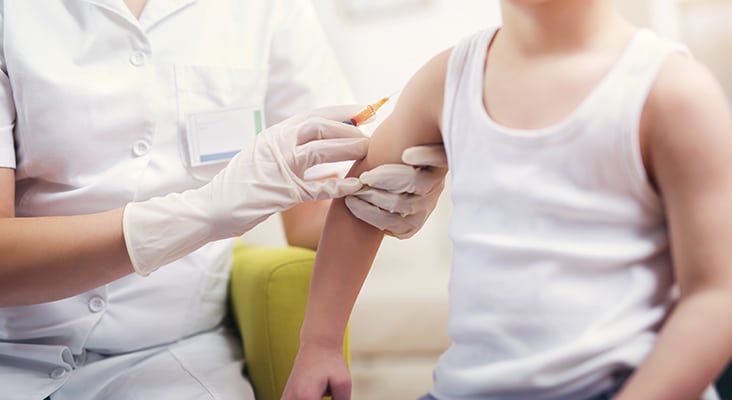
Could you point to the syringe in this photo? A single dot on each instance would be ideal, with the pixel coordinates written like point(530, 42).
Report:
point(367, 112)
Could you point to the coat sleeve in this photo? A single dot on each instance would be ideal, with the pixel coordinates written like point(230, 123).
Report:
point(7, 110)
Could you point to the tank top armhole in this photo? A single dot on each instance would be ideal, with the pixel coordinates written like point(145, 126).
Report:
point(460, 63)
point(636, 167)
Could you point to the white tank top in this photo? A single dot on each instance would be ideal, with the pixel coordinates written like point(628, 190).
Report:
point(561, 272)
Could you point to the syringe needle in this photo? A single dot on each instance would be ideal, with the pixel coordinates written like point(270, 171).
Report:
point(367, 112)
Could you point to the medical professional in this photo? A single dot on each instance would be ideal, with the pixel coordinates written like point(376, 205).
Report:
point(137, 138)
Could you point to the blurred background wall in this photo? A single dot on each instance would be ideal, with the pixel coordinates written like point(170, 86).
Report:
point(705, 26)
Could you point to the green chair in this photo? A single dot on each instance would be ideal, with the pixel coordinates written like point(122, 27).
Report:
point(269, 289)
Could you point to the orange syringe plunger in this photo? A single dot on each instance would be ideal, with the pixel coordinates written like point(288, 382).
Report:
point(368, 112)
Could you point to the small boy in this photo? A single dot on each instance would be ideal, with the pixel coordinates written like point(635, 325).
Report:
point(591, 183)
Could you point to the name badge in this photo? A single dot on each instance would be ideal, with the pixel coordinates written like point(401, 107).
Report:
point(217, 136)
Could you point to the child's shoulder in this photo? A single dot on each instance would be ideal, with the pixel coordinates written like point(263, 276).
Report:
point(684, 89)
point(425, 88)
point(435, 69)
point(682, 79)
point(686, 119)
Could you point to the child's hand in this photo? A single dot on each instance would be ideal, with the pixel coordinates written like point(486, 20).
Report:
point(318, 371)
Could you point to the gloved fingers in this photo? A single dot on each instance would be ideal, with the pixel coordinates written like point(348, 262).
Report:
point(399, 227)
point(331, 150)
point(369, 213)
point(429, 180)
point(332, 188)
point(398, 178)
point(318, 128)
point(431, 155)
point(405, 231)
point(395, 203)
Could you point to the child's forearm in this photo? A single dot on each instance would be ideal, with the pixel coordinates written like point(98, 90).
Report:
point(336, 283)
point(692, 349)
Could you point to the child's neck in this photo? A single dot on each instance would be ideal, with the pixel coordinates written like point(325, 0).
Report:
point(559, 26)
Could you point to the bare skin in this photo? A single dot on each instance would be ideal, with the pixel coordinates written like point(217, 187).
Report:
point(686, 145)
point(136, 7)
point(51, 258)
point(303, 223)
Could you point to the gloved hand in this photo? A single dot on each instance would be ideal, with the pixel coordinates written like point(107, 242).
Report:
point(257, 182)
point(399, 198)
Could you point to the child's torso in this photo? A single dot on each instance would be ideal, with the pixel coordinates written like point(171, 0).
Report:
point(521, 87)
point(561, 270)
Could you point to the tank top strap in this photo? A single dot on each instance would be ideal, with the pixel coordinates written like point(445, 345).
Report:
point(628, 89)
point(465, 73)
point(636, 71)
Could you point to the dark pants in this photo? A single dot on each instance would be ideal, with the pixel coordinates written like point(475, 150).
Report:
point(620, 378)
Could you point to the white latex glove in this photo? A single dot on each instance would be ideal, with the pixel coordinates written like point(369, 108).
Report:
point(399, 198)
point(257, 182)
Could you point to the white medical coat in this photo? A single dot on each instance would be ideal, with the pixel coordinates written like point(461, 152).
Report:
point(93, 104)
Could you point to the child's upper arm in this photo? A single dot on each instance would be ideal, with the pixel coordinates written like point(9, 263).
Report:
point(348, 245)
point(415, 119)
point(687, 138)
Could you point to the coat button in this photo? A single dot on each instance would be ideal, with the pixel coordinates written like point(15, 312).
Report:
point(137, 58)
point(96, 304)
point(58, 373)
point(140, 148)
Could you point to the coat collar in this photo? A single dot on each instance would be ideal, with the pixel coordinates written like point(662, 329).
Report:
point(155, 10)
